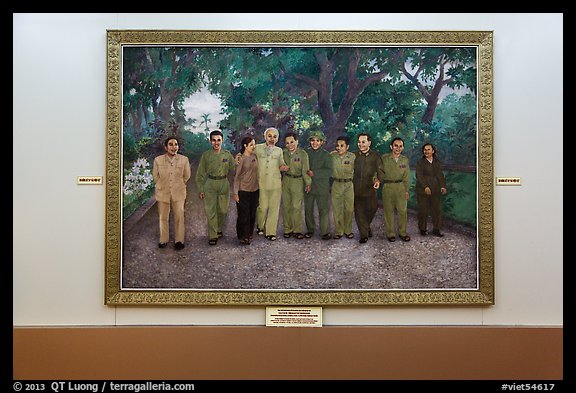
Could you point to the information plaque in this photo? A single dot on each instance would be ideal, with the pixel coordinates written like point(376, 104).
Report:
point(294, 316)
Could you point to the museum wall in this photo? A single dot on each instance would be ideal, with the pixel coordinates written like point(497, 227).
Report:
point(59, 133)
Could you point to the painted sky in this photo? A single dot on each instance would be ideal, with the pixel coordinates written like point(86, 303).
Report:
point(200, 103)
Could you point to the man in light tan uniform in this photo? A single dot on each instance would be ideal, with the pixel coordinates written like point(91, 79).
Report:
point(270, 163)
point(171, 171)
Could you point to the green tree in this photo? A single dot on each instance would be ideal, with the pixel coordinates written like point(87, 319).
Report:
point(156, 82)
point(205, 120)
point(431, 69)
point(338, 77)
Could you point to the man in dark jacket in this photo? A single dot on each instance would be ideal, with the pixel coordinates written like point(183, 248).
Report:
point(367, 175)
point(430, 186)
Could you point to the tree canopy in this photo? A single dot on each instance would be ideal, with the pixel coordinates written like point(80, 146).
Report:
point(418, 93)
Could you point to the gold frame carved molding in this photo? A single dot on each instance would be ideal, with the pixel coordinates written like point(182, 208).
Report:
point(482, 296)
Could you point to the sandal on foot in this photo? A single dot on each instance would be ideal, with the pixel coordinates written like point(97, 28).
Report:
point(298, 236)
point(287, 235)
point(405, 238)
point(213, 241)
point(337, 236)
point(349, 235)
point(245, 241)
point(308, 235)
point(271, 237)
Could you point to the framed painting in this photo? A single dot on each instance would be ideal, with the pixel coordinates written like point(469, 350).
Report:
point(423, 88)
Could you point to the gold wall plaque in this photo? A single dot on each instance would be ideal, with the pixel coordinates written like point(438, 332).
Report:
point(89, 180)
point(508, 181)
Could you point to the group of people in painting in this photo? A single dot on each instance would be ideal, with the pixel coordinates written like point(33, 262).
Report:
point(266, 174)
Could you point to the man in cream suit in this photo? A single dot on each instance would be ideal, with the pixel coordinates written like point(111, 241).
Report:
point(270, 164)
point(171, 171)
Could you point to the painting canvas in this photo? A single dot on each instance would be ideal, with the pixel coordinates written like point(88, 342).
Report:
point(424, 87)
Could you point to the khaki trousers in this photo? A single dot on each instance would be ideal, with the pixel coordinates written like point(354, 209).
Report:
point(394, 198)
point(292, 199)
point(342, 207)
point(216, 205)
point(164, 214)
point(268, 210)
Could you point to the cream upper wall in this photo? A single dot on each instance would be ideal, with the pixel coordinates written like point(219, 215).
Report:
point(59, 74)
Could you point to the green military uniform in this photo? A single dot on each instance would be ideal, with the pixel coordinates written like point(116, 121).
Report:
point(211, 179)
point(321, 165)
point(270, 159)
point(343, 192)
point(395, 185)
point(367, 167)
point(293, 183)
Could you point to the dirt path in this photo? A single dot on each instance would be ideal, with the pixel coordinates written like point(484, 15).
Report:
point(426, 262)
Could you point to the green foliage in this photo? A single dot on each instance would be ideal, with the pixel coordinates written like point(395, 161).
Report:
point(195, 143)
point(129, 147)
point(385, 111)
point(460, 201)
point(453, 132)
point(131, 203)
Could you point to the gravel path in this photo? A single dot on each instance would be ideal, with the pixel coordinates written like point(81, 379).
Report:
point(426, 262)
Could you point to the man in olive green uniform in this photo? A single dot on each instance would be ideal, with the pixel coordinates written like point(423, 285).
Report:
point(367, 175)
point(270, 164)
point(320, 172)
point(294, 183)
point(343, 188)
point(395, 190)
point(213, 185)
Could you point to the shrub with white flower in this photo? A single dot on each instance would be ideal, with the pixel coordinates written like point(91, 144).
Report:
point(138, 179)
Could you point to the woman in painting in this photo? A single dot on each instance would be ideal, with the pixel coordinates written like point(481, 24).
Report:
point(430, 186)
point(246, 190)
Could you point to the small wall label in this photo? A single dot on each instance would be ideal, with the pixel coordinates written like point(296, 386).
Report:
point(89, 180)
point(508, 181)
point(294, 316)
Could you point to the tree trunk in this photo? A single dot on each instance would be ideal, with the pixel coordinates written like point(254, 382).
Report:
point(432, 98)
point(430, 110)
point(165, 108)
point(138, 120)
point(335, 120)
point(332, 133)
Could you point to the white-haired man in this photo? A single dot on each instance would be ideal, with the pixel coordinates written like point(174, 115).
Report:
point(270, 164)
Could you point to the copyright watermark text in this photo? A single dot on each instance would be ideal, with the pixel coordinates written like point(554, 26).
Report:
point(100, 386)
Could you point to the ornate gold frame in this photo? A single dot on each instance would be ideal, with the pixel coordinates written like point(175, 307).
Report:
point(483, 40)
